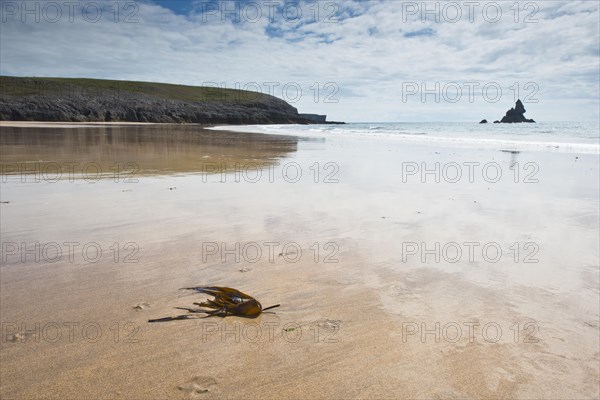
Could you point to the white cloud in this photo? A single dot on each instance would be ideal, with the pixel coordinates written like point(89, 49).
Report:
point(365, 54)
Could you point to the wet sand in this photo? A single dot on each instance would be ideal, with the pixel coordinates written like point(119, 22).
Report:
point(361, 316)
point(109, 150)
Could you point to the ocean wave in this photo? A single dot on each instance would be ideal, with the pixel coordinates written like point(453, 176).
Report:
point(449, 138)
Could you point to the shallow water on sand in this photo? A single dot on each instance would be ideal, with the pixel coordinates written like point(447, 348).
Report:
point(125, 151)
point(373, 248)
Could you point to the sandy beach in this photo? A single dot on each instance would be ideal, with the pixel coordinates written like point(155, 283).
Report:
point(393, 282)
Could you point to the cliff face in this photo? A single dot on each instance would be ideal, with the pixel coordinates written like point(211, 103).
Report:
point(93, 100)
point(316, 118)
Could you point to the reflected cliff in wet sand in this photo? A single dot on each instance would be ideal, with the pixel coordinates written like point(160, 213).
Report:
point(103, 151)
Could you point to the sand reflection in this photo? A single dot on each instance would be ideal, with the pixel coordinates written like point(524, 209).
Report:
point(103, 151)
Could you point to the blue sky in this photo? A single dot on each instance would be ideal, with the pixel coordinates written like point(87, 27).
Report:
point(178, 7)
point(353, 60)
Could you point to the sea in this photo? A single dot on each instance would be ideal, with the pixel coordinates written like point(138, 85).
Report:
point(566, 137)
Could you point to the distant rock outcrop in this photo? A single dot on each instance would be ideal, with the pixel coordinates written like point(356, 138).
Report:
point(516, 115)
point(317, 118)
point(483, 121)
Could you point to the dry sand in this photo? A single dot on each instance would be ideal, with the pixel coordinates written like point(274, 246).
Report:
point(344, 328)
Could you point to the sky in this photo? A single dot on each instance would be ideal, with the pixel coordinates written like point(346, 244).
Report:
point(356, 61)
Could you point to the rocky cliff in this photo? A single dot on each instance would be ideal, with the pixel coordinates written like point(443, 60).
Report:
point(316, 118)
point(93, 100)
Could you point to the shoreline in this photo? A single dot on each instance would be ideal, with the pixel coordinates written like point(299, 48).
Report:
point(507, 139)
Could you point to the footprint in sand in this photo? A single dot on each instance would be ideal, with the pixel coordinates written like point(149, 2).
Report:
point(330, 324)
point(198, 385)
point(20, 337)
point(141, 306)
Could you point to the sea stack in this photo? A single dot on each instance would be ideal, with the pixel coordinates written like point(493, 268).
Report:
point(516, 115)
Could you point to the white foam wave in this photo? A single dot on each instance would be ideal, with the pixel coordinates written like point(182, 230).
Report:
point(452, 139)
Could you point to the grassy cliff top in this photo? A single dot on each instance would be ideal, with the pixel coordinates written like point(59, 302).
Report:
point(62, 87)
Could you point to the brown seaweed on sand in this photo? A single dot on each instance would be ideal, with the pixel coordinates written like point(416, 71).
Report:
point(226, 302)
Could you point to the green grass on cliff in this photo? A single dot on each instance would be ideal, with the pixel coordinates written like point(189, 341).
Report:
point(65, 87)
